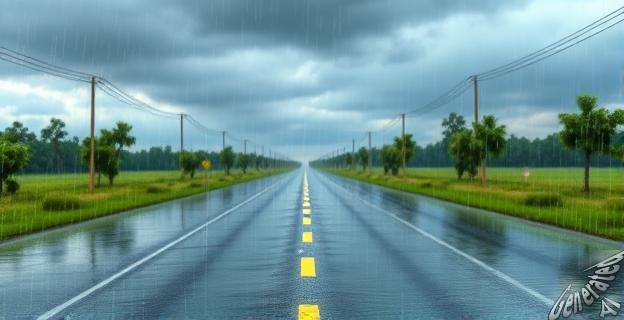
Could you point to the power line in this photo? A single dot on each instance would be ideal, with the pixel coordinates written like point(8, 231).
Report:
point(557, 46)
point(35, 64)
point(589, 31)
point(443, 99)
point(105, 85)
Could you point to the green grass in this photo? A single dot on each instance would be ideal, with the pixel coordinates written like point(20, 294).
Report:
point(47, 201)
point(550, 195)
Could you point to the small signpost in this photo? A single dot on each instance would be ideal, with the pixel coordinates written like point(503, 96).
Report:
point(206, 164)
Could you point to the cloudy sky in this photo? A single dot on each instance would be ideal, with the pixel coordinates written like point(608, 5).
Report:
point(303, 77)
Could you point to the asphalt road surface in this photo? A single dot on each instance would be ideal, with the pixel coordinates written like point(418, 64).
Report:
point(303, 245)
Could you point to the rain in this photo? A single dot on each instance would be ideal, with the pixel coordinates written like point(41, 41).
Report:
point(311, 159)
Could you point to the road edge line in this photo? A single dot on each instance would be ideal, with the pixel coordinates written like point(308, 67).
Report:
point(56, 310)
point(445, 244)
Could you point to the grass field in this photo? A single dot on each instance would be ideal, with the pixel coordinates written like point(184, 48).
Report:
point(550, 195)
point(46, 201)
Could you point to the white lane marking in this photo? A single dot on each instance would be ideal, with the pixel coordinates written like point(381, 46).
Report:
point(103, 283)
point(443, 243)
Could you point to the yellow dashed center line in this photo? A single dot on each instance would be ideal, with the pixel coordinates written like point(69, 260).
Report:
point(306, 237)
point(309, 312)
point(307, 267)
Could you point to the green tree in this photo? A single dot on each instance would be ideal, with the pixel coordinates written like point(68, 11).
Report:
point(121, 136)
point(492, 137)
point(591, 131)
point(453, 124)
point(390, 159)
point(106, 156)
point(257, 161)
point(363, 156)
point(243, 161)
point(14, 157)
point(227, 157)
point(18, 133)
point(351, 159)
point(54, 133)
point(190, 163)
point(410, 147)
point(467, 150)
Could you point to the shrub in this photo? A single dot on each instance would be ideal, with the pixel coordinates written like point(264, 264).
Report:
point(543, 200)
point(426, 185)
point(58, 203)
point(12, 186)
point(154, 189)
point(195, 185)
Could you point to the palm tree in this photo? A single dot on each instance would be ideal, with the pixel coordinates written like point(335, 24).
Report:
point(492, 138)
point(122, 137)
point(410, 146)
point(227, 157)
point(591, 131)
point(466, 149)
point(54, 133)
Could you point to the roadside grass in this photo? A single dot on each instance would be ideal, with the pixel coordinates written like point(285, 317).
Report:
point(550, 195)
point(47, 201)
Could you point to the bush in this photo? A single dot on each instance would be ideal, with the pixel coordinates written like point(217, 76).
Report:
point(195, 185)
point(543, 200)
point(154, 189)
point(61, 203)
point(12, 186)
point(426, 185)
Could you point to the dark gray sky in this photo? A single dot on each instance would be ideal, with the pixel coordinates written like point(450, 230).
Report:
point(303, 76)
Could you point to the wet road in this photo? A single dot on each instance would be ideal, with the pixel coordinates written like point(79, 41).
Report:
point(268, 250)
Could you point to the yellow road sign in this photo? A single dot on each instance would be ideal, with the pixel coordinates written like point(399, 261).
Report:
point(206, 164)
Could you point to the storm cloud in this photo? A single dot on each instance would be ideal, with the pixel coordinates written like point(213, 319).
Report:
point(306, 77)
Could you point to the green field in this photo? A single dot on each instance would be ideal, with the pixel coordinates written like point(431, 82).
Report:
point(68, 201)
point(550, 195)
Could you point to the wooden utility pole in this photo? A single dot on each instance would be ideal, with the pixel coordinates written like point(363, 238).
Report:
point(337, 158)
point(223, 139)
point(353, 155)
point(403, 141)
point(370, 154)
point(245, 146)
point(181, 137)
point(92, 155)
point(475, 84)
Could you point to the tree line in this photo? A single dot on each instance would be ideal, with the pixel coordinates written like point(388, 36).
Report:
point(22, 151)
point(588, 138)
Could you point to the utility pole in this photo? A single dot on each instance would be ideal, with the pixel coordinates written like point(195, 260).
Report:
point(370, 154)
point(337, 158)
point(344, 155)
point(223, 139)
point(245, 146)
point(353, 155)
point(475, 85)
point(181, 137)
point(403, 140)
point(92, 155)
